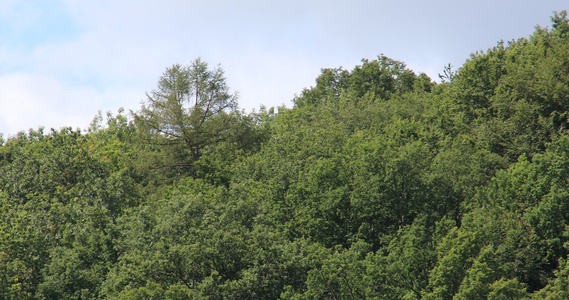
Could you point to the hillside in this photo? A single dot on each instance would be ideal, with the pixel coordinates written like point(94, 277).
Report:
point(379, 183)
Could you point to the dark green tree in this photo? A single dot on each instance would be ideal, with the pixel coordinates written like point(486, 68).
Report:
point(60, 194)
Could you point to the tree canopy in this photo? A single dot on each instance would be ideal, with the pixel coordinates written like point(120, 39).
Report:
point(190, 108)
point(378, 183)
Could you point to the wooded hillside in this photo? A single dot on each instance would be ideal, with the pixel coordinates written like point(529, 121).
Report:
point(379, 183)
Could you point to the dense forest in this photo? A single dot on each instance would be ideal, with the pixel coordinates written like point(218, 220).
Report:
point(377, 184)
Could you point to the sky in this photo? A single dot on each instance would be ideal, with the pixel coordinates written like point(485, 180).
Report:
point(62, 61)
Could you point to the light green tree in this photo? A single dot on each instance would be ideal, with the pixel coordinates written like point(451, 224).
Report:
point(190, 109)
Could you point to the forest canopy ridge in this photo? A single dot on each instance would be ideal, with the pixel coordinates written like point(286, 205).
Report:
point(379, 183)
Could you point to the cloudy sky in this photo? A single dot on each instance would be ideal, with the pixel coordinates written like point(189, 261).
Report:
point(63, 60)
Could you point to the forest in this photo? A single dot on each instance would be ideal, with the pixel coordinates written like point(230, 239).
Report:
point(378, 183)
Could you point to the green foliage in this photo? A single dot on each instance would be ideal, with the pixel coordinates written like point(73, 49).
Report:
point(190, 110)
point(376, 79)
point(377, 184)
point(59, 201)
point(515, 95)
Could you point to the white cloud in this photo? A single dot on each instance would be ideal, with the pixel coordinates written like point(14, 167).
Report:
point(32, 101)
point(270, 50)
point(124, 47)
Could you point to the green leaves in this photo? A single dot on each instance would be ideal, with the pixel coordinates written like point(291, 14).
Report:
point(515, 95)
point(378, 79)
point(59, 199)
point(377, 184)
point(189, 109)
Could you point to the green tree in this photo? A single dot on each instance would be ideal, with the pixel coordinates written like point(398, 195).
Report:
point(514, 96)
point(59, 199)
point(377, 79)
point(191, 109)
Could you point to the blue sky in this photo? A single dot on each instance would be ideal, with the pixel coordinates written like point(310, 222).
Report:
point(63, 60)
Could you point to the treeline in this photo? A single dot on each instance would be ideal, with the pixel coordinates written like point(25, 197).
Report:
point(378, 184)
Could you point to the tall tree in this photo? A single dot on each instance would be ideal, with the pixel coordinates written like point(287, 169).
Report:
point(190, 109)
